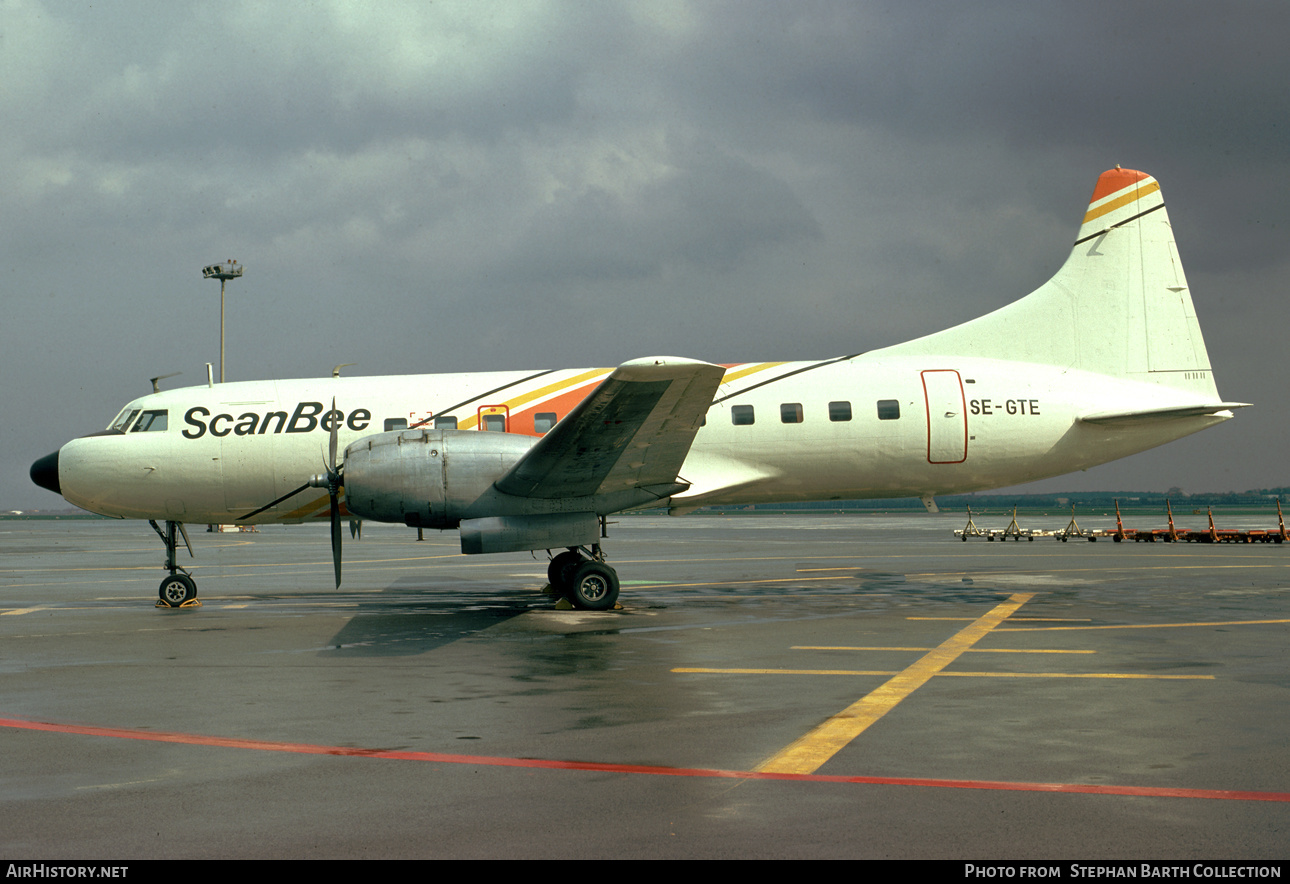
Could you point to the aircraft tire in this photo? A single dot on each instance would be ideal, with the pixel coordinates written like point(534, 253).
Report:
point(594, 587)
point(177, 589)
point(559, 573)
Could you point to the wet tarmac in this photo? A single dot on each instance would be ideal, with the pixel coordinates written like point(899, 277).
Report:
point(806, 686)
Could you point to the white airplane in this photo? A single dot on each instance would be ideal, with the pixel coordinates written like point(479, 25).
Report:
point(1104, 360)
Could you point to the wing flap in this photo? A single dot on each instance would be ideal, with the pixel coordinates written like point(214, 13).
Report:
point(633, 432)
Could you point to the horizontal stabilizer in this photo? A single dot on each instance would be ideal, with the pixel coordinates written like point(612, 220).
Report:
point(1145, 415)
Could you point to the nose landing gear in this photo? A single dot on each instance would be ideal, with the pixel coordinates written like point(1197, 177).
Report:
point(178, 590)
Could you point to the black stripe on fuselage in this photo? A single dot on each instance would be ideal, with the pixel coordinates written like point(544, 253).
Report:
point(453, 408)
point(786, 375)
point(254, 513)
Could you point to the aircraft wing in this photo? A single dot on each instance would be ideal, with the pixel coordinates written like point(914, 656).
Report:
point(1156, 414)
point(633, 432)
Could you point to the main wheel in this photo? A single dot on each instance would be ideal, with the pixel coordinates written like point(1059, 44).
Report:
point(177, 589)
point(559, 573)
point(594, 587)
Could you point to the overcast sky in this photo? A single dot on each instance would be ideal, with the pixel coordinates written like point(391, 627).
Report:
point(450, 186)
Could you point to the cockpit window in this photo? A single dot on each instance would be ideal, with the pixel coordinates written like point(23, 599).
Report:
point(124, 419)
point(151, 422)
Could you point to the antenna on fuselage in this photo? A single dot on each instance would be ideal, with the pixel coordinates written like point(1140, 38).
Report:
point(162, 377)
point(335, 372)
point(210, 375)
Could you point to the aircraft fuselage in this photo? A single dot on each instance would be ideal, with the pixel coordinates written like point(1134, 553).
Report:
point(860, 427)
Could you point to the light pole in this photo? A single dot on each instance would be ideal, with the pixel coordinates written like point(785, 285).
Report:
point(230, 269)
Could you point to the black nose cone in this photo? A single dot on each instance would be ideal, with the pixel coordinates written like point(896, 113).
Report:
point(44, 472)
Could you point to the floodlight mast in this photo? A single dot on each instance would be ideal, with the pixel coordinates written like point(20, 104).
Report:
point(230, 269)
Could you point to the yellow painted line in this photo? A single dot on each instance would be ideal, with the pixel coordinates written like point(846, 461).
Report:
point(1049, 619)
point(17, 611)
point(733, 582)
point(710, 671)
point(1147, 625)
point(810, 752)
point(1015, 620)
point(1135, 675)
point(969, 650)
point(703, 670)
point(353, 562)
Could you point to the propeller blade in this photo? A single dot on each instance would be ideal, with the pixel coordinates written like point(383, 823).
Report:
point(335, 535)
point(333, 491)
point(331, 448)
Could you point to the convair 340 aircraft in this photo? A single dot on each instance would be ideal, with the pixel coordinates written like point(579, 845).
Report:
point(1104, 360)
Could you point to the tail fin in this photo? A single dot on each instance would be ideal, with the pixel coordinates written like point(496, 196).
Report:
point(1119, 306)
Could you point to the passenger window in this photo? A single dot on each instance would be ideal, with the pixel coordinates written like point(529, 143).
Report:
point(447, 422)
point(839, 411)
point(741, 415)
point(494, 423)
point(543, 421)
point(395, 423)
point(790, 413)
point(888, 409)
point(151, 422)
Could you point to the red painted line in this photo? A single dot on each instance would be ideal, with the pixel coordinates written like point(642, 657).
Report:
point(648, 770)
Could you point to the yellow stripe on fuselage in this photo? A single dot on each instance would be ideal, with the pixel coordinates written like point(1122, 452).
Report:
point(751, 369)
point(467, 423)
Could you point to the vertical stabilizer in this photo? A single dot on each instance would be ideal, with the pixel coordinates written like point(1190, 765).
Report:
point(1119, 306)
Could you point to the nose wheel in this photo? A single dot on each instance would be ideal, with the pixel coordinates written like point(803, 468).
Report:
point(178, 590)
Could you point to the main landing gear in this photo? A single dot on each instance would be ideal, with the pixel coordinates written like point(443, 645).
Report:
point(583, 577)
point(178, 590)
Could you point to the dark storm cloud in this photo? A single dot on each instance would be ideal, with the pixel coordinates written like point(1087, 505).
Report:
point(243, 83)
point(1194, 86)
point(707, 210)
point(1039, 73)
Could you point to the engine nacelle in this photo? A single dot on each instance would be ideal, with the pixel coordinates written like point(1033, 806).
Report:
point(427, 478)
